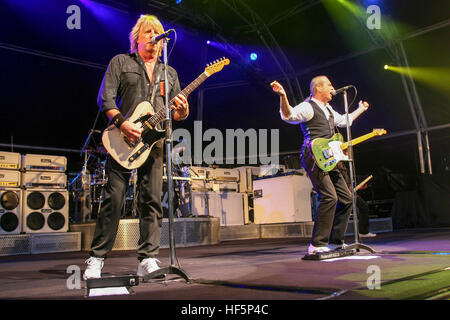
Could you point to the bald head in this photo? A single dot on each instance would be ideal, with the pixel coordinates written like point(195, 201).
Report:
point(318, 81)
point(321, 88)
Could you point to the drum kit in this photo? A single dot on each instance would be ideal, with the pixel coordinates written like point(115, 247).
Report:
point(87, 190)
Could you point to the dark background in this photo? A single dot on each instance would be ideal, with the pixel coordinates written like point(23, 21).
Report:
point(50, 75)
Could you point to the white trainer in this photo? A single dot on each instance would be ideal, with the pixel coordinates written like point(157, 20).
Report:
point(313, 250)
point(367, 235)
point(147, 266)
point(94, 268)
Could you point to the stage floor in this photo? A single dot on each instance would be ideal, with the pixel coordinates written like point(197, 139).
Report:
point(413, 264)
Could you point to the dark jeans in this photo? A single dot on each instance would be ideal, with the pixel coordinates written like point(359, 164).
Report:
point(335, 203)
point(149, 209)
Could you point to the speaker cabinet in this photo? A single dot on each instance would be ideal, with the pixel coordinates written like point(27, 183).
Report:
point(227, 206)
point(45, 210)
point(282, 199)
point(10, 211)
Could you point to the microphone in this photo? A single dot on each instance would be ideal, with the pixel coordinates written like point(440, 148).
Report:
point(335, 92)
point(162, 36)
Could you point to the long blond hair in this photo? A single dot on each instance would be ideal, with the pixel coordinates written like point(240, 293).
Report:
point(144, 20)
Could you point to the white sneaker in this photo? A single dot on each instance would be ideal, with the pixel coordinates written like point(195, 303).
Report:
point(314, 250)
point(147, 266)
point(94, 268)
point(367, 235)
point(333, 246)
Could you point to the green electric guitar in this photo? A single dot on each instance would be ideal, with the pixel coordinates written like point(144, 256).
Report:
point(328, 152)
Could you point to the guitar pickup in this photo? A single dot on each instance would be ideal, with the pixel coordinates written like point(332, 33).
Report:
point(138, 153)
point(327, 153)
point(128, 142)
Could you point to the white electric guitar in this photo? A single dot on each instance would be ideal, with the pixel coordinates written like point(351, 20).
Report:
point(132, 155)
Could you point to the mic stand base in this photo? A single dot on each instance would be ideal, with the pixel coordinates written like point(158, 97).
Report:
point(163, 272)
point(357, 246)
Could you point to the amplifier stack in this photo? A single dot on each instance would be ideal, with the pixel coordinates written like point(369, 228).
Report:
point(10, 193)
point(33, 194)
point(45, 196)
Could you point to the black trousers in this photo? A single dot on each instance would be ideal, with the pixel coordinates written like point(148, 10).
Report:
point(335, 203)
point(149, 209)
point(363, 215)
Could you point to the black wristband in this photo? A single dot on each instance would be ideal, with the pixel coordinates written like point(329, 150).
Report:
point(118, 120)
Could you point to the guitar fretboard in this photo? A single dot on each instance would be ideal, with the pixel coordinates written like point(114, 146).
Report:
point(358, 140)
point(161, 114)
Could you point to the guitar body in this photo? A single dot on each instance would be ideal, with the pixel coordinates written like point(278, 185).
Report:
point(132, 155)
point(328, 152)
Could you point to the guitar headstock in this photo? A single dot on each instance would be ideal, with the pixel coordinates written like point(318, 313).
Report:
point(379, 132)
point(216, 66)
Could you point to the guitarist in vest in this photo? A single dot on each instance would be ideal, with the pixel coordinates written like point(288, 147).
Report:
point(317, 119)
point(130, 79)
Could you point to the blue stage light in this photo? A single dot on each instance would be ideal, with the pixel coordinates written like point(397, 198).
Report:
point(253, 56)
point(178, 1)
point(208, 42)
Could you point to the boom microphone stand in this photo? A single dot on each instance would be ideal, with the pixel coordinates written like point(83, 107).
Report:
point(357, 245)
point(172, 269)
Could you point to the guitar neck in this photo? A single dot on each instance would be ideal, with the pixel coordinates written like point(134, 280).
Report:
point(363, 183)
point(160, 115)
point(358, 140)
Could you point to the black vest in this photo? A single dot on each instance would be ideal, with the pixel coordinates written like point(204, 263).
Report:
point(319, 126)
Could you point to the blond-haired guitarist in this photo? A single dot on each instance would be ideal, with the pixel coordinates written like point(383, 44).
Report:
point(129, 80)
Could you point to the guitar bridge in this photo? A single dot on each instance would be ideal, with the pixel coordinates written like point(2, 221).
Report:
point(329, 163)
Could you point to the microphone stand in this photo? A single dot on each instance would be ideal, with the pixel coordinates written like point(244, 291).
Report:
point(357, 245)
point(172, 269)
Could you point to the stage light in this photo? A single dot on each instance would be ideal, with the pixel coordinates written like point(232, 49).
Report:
point(437, 78)
point(208, 42)
point(253, 56)
point(178, 1)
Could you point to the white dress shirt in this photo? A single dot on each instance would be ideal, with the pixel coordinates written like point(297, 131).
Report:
point(304, 112)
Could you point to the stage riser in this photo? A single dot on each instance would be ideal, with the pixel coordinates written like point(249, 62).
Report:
point(379, 225)
point(297, 229)
point(187, 232)
point(39, 243)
